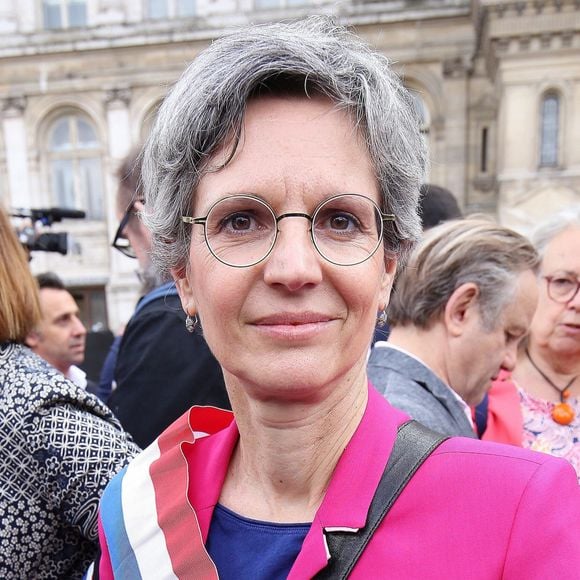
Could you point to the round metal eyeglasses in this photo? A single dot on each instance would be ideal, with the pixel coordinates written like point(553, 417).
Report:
point(562, 287)
point(241, 230)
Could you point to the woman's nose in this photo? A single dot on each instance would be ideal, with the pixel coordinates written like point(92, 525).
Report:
point(574, 302)
point(294, 261)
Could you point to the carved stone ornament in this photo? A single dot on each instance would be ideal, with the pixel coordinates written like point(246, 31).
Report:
point(456, 67)
point(13, 106)
point(121, 96)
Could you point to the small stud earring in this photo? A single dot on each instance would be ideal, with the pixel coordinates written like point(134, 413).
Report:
point(382, 318)
point(191, 323)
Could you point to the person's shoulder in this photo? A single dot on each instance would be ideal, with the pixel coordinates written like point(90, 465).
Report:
point(496, 461)
point(30, 379)
point(383, 355)
point(19, 358)
point(393, 382)
point(160, 316)
point(494, 478)
point(194, 434)
point(163, 303)
point(387, 361)
point(37, 393)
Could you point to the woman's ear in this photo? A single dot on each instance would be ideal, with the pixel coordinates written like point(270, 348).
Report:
point(460, 308)
point(387, 281)
point(184, 290)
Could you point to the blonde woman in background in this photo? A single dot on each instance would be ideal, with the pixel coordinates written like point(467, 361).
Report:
point(59, 445)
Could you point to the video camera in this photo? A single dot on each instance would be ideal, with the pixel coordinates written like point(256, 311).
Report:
point(35, 240)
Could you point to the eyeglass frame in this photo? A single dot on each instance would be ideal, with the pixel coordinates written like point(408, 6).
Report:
point(203, 221)
point(122, 225)
point(559, 301)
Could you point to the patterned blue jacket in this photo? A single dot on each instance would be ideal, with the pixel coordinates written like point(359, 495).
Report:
point(59, 447)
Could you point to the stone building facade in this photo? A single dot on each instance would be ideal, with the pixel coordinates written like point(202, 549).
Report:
point(497, 83)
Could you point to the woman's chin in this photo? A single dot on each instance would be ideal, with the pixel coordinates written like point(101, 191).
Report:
point(295, 379)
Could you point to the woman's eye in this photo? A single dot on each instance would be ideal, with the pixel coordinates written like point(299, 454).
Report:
point(240, 222)
point(341, 222)
point(237, 222)
point(562, 282)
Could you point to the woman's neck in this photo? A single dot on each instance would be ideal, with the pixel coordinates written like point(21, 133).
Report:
point(561, 365)
point(536, 362)
point(288, 450)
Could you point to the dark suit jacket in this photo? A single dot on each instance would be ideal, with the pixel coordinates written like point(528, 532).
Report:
point(162, 370)
point(411, 386)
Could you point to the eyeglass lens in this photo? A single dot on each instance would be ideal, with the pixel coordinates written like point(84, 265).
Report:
point(562, 288)
point(241, 230)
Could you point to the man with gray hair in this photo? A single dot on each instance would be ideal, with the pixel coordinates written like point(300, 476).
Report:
point(457, 315)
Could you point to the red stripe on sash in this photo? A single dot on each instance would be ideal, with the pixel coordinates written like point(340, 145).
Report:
point(170, 477)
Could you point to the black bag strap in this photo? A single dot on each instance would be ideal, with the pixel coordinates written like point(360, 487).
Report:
point(414, 443)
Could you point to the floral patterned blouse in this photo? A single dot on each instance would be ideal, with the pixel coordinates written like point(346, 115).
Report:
point(542, 433)
point(59, 447)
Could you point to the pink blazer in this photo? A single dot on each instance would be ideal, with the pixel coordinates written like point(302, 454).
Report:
point(473, 510)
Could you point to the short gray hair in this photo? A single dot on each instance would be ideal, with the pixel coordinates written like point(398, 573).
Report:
point(205, 110)
point(554, 226)
point(455, 253)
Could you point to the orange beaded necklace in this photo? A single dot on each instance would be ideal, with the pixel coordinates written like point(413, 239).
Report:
point(562, 413)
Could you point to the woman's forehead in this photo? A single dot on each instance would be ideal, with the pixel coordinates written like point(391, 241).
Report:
point(292, 144)
point(562, 252)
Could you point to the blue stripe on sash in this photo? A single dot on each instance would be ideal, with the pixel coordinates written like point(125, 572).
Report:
point(122, 556)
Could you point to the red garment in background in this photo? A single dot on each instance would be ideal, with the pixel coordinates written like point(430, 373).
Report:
point(504, 417)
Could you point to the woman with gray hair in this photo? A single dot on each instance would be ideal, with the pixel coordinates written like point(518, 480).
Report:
point(538, 406)
point(282, 178)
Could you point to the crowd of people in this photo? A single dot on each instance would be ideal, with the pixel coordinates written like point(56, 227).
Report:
point(318, 328)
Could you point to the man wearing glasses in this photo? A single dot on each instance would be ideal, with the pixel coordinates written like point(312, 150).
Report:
point(160, 369)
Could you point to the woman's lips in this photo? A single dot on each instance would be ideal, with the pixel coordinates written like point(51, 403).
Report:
point(292, 318)
point(571, 328)
point(293, 325)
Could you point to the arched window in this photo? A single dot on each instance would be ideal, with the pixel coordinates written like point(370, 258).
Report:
point(549, 130)
point(74, 159)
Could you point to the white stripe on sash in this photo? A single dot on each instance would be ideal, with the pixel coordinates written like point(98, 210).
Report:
point(140, 515)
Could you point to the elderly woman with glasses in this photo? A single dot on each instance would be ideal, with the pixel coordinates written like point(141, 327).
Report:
point(538, 406)
point(281, 182)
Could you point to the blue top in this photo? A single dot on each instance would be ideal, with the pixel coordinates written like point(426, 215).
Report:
point(244, 548)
